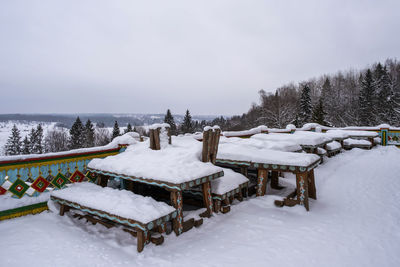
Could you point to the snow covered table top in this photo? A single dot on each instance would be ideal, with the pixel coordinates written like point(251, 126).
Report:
point(118, 203)
point(258, 141)
point(332, 146)
point(230, 181)
point(352, 143)
point(302, 138)
point(174, 167)
point(242, 155)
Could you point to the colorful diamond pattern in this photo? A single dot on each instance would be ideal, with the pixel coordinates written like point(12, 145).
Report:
point(91, 176)
point(77, 176)
point(18, 188)
point(59, 181)
point(40, 184)
point(2, 191)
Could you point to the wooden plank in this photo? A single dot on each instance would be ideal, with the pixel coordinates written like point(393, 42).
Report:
point(261, 182)
point(63, 209)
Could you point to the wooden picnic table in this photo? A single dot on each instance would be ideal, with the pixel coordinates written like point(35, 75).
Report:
point(302, 165)
point(175, 190)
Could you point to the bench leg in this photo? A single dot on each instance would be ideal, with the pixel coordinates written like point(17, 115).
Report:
point(207, 198)
point(275, 180)
point(302, 189)
point(63, 209)
point(261, 182)
point(102, 180)
point(312, 191)
point(140, 240)
point(217, 205)
point(176, 200)
point(240, 195)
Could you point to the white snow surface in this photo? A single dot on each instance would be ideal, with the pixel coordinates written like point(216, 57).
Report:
point(230, 181)
point(258, 141)
point(354, 222)
point(333, 145)
point(299, 137)
point(117, 202)
point(350, 133)
point(176, 163)
point(8, 202)
point(353, 142)
point(243, 152)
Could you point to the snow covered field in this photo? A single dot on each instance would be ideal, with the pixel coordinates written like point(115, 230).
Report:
point(354, 222)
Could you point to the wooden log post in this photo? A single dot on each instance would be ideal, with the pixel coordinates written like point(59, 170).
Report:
point(261, 182)
point(217, 205)
point(204, 153)
point(154, 136)
point(102, 180)
point(140, 240)
point(302, 189)
point(176, 200)
point(207, 198)
point(312, 191)
point(275, 180)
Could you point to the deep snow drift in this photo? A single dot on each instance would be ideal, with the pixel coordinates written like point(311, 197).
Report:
point(354, 222)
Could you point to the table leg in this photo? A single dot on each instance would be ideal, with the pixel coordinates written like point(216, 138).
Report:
point(176, 200)
point(207, 198)
point(312, 191)
point(102, 180)
point(275, 180)
point(302, 189)
point(261, 182)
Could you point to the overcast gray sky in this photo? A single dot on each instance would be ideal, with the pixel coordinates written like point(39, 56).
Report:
point(211, 57)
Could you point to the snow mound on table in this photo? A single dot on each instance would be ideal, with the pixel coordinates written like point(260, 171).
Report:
point(230, 181)
point(354, 142)
point(356, 133)
point(333, 146)
point(337, 134)
point(117, 202)
point(242, 152)
point(176, 163)
point(302, 138)
point(8, 202)
point(257, 141)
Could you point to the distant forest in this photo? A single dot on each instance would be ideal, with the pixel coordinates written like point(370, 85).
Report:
point(367, 97)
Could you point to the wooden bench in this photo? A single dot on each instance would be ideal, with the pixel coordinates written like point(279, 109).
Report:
point(143, 217)
point(357, 143)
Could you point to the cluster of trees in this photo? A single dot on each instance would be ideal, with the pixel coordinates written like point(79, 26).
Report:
point(365, 98)
point(31, 144)
point(187, 126)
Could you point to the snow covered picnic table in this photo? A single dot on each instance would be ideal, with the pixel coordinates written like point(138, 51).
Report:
point(141, 213)
point(175, 168)
point(264, 160)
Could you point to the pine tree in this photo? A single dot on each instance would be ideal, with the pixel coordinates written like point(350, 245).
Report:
point(170, 120)
point(187, 125)
point(319, 113)
point(32, 140)
point(385, 98)
point(128, 128)
point(366, 100)
point(13, 145)
point(77, 135)
point(116, 131)
point(89, 134)
point(26, 146)
point(305, 109)
point(37, 141)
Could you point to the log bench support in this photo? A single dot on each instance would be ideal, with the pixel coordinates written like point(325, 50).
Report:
point(275, 180)
point(305, 189)
point(177, 203)
point(261, 182)
point(207, 198)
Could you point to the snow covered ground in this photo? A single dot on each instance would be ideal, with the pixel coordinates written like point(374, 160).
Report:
point(354, 222)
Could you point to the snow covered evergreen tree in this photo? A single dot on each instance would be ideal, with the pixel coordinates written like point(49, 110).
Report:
point(26, 146)
point(187, 125)
point(77, 135)
point(13, 145)
point(305, 108)
point(366, 101)
point(170, 120)
point(37, 141)
point(319, 113)
point(89, 134)
point(116, 131)
point(128, 128)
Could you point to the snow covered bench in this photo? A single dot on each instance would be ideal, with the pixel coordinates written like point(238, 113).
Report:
point(138, 213)
point(333, 148)
point(357, 143)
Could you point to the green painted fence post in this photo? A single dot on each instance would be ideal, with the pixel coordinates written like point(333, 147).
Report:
point(384, 136)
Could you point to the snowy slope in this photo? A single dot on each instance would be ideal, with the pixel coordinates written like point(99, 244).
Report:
point(354, 222)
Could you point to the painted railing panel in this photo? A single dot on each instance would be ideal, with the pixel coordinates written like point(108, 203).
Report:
point(30, 176)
